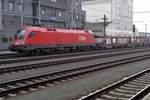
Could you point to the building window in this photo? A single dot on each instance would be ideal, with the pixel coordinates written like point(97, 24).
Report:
point(11, 5)
point(77, 3)
point(4, 40)
point(59, 13)
point(2, 4)
point(21, 7)
point(3, 22)
point(43, 11)
point(53, 0)
point(77, 17)
point(10, 39)
point(52, 12)
point(12, 22)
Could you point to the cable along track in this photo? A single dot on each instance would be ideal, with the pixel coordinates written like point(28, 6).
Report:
point(13, 87)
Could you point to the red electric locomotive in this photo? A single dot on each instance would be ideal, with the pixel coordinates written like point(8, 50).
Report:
point(38, 39)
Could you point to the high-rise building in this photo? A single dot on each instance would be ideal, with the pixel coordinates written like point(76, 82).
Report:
point(55, 13)
point(75, 15)
point(118, 13)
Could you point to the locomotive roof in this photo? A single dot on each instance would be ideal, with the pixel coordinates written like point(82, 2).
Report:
point(33, 28)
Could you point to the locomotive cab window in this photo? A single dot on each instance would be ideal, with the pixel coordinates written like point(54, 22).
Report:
point(32, 34)
point(20, 34)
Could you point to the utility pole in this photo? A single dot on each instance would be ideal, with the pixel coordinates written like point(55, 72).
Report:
point(105, 28)
point(105, 25)
point(1, 25)
point(22, 22)
point(133, 30)
point(39, 12)
point(146, 33)
point(146, 29)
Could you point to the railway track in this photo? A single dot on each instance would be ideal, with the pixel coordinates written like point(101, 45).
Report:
point(17, 55)
point(131, 88)
point(17, 68)
point(7, 56)
point(22, 85)
point(95, 55)
point(11, 56)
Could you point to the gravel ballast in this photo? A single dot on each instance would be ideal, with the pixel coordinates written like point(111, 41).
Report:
point(74, 89)
point(51, 69)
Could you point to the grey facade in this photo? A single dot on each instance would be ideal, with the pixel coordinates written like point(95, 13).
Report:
point(75, 15)
point(56, 13)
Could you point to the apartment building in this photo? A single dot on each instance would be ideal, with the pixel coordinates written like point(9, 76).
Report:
point(55, 13)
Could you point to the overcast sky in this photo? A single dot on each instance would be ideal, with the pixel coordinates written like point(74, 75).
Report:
point(144, 18)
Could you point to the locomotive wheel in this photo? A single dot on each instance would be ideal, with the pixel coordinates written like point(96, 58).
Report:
point(71, 49)
point(48, 51)
point(20, 51)
point(33, 52)
point(38, 51)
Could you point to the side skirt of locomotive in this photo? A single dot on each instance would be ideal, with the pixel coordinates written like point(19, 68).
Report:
point(48, 49)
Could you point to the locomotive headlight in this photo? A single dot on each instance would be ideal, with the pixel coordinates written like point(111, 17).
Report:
point(17, 43)
point(23, 42)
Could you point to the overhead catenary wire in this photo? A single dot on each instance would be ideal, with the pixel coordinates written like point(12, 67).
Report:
point(96, 9)
point(93, 2)
point(141, 12)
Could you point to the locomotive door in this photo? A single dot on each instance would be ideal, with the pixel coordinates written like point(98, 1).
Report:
point(50, 38)
point(34, 38)
point(58, 38)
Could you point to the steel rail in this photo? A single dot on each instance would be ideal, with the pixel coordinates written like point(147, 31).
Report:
point(25, 58)
point(60, 61)
point(21, 56)
point(141, 94)
point(9, 61)
point(17, 55)
point(24, 84)
point(130, 88)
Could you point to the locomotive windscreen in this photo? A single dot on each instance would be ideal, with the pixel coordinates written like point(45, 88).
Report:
point(20, 34)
